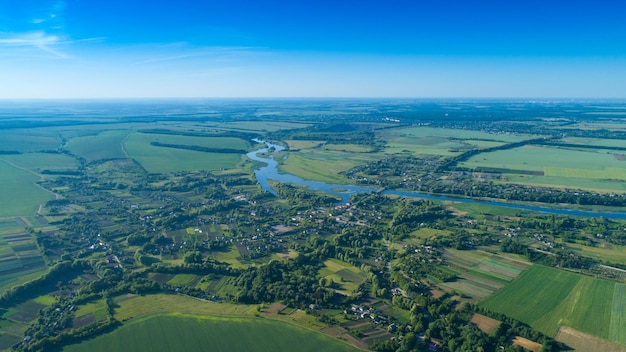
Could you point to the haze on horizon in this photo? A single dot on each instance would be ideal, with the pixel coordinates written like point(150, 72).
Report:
point(242, 48)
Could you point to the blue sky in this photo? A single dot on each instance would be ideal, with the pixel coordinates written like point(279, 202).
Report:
point(240, 48)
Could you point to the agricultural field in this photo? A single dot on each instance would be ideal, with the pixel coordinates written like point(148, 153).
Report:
point(104, 145)
point(552, 166)
point(29, 140)
point(22, 196)
point(547, 298)
point(183, 332)
point(346, 277)
point(39, 162)
point(322, 165)
point(152, 157)
point(480, 273)
point(441, 141)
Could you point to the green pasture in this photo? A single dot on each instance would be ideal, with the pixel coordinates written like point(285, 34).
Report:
point(42, 161)
point(599, 185)
point(612, 254)
point(350, 148)
point(29, 140)
point(347, 276)
point(538, 158)
point(299, 144)
point(182, 279)
point(166, 160)
point(185, 332)
point(321, 165)
point(104, 145)
point(586, 142)
point(21, 196)
point(260, 126)
point(547, 298)
point(441, 141)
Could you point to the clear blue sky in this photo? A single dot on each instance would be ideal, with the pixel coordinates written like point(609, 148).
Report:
point(306, 48)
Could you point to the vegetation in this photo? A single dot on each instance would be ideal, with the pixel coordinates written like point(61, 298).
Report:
point(121, 228)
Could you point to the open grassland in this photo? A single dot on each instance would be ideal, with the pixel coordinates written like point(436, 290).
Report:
point(542, 158)
point(104, 145)
point(165, 160)
point(298, 144)
point(19, 193)
point(133, 306)
point(547, 298)
point(598, 185)
point(441, 141)
point(183, 332)
point(346, 276)
point(258, 126)
point(586, 142)
point(29, 140)
point(321, 165)
point(611, 253)
point(351, 148)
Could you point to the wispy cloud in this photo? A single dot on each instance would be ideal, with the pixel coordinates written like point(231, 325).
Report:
point(39, 40)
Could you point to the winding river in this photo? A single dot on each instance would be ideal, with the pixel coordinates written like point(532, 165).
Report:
point(270, 172)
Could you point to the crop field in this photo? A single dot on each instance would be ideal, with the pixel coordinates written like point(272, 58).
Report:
point(21, 195)
point(152, 157)
point(29, 140)
point(441, 141)
point(547, 298)
point(555, 166)
point(617, 332)
point(480, 273)
point(42, 161)
point(183, 332)
point(347, 276)
point(104, 145)
point(265, 126)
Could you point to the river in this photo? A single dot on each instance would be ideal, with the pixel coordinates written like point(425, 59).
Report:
point(270, 172)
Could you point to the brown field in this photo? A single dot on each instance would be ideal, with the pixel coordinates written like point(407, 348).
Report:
point(580, 341)
point(484, 323)
point(527, 344)
point(84, 320)
point(275, 308)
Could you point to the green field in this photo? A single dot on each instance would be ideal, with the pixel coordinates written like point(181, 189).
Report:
point(322, 165)
point(42, 161)
point(479, 273)
point(546, 298)
point(561, 167)
point(104, 145)
point(29, 140)
point(165, 160)
point(347, 277)
point(183, 332)
point(441, 141)
point(21, 196)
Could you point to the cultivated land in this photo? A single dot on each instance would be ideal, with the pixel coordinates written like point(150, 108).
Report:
point(143, 227)
point(547, 298)
point(176, 332)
